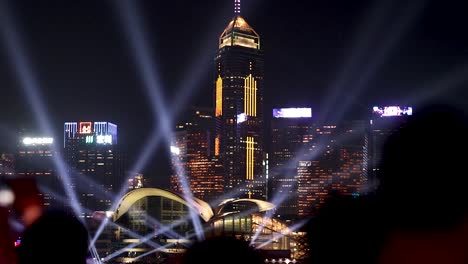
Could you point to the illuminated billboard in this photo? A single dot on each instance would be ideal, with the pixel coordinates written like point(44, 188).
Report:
point(392, 110)
point(38, 141)
point(292, 112)
point(85, 128)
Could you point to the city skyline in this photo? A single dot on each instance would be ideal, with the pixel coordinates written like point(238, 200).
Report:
point(83, 64)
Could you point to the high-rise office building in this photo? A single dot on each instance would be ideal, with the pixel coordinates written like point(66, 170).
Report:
point(194, 150)
point(312, 186)
point(292, 139)
point(239, 108)
point(94, 162)
point(34, 159)
point(384, 121)
point(315, 170)
point(337, 163)
point(350, 177)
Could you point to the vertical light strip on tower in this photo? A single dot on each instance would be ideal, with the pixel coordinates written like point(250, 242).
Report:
point(237, 6)
point(249, 166)
point(252, 158)
point(219, 96)
point(247, 156)
point(250, 96)
point(245, 98)
point(254, 91)
point(216, 152)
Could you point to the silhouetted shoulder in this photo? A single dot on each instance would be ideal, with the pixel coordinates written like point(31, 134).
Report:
point(423, 169)
point(54, 234)
point(345, 230)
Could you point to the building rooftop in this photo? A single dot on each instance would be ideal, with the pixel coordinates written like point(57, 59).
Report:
point(239, 33)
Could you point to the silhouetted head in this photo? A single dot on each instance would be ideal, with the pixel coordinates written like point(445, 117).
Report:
point(221, 250)
point(345, 230)
point(54, 238)
point(423, 169)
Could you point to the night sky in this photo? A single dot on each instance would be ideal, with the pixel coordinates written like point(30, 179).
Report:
point(338, 56)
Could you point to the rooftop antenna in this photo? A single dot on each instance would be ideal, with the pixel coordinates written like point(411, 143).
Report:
point(237, 6)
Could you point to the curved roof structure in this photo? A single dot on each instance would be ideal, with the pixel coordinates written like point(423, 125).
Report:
point(132, 197)
point(261, 205)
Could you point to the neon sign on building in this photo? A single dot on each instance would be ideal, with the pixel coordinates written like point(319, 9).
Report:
point(38, 141)
point(86, 127)
point(292, 112)
point(104, 139)
point(392, 110)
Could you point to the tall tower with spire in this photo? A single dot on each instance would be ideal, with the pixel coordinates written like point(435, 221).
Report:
point(239, 108)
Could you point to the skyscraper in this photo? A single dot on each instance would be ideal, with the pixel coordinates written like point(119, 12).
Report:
point(34, 159)
point(350, 177)
point(292, 138)
point(239, 108)
point(313, 185)
point(315, 170)
point(193, 148)
point(336, 163)
point(94, 162)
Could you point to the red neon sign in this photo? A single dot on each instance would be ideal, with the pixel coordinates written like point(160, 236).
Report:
point(85, 128)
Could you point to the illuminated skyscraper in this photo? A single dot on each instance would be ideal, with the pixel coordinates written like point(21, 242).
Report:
point(193, 148)
point(336, 163)
point(34, 158)
point(313, 185)
point(91, 151)
point(315, 170)
point(239, 108)
point(292, 139)
point(350, 177)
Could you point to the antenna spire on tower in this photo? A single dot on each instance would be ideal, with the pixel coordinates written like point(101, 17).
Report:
point(237, 6)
